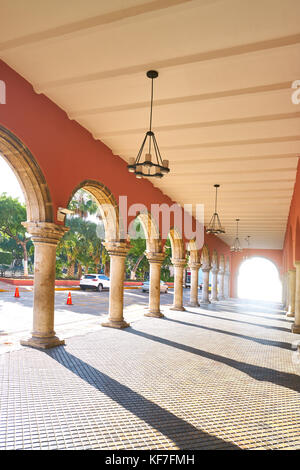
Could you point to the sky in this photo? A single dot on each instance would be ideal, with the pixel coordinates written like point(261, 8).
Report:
point(8, 181)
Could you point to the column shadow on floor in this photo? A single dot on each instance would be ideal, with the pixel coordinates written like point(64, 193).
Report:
point(222, 308)
point(183, 434)
point(268, 327)
point(263, 374)
point(265, 342)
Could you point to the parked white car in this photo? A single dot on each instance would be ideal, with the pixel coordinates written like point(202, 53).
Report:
point(94, 281)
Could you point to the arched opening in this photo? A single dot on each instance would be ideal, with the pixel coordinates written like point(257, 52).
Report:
point(177, 245)
point(30, 177)
point(137, 265)
point(205, 271)
point(107, 235)
point(258, 279)
point(151, 232)
point(24, 197)
point(108, 208)
point(93, 223)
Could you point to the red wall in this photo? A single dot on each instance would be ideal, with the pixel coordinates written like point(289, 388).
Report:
point(291, 250)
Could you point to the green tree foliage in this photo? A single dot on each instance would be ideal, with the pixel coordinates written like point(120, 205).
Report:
point(5, 258)
point(83, 204)
point(81, 248)
point(165, 271)
point(13, 234)
point(137, 264)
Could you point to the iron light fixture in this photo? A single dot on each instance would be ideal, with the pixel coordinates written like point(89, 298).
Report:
point(247, 239)
point(236, 247)
point(214, 225)
point(156, 167)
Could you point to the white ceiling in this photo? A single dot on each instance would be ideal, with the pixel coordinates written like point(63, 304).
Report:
point(222, 102)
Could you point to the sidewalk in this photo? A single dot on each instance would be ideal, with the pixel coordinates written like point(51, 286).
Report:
point(220, 377)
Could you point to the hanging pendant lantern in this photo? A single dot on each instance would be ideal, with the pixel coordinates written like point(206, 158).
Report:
point(153, 166)
point(236, 247)
point(214, 225)
point(247, 239)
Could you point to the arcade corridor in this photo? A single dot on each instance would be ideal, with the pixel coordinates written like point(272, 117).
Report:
point(220, 377)
point(219, 187)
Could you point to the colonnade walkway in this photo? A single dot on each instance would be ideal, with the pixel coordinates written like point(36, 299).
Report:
point(223, 376)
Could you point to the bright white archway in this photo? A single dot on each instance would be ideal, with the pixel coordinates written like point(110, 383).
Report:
point(258, 279)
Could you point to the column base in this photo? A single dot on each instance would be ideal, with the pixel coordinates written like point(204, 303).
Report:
point(178, 309)
point(290, 314)
point(154, 314)
point(42, 343)
point(221, 298)
point(295, 328)
point(213, 301)
point(204, 302)
point(193, 304)
point(116, 324)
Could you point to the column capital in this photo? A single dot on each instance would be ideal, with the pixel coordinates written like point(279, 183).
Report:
point(117, 248)
point(206, 268)
point(178, 263)
point(194, 265)
point(153, 257)
point(45, 232)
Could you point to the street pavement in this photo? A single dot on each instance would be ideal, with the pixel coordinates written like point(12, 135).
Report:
point(88, 311)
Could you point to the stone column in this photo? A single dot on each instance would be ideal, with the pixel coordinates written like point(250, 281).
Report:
point(205, 286)
point(155, 261)
point(221, 285)
point(214, 287)
point(226, 285)
point(296, 324)
point(292, 293)
point(286, 299)
point(45, 237)
point(287, 302)
point(178, 284)
point(194, 267)
point(117, 252)
point(283, 298)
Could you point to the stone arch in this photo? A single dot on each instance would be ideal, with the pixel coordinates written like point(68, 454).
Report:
point(214, 260)
point(193, 251)
point(222, 263)
point(177, 244)
point(290, 249)
point(227, 265)
point(205, 257)
point(108, 207)
point(297, 241)
point(29, 175)
point(153, 239)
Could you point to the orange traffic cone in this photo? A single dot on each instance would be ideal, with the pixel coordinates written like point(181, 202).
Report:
point(17, 292)
point(69, 300)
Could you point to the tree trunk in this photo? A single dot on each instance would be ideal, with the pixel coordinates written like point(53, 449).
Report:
point(79, 272)
point(71, 269)
point(134, 270)
point(25, 259)
point(107, 268)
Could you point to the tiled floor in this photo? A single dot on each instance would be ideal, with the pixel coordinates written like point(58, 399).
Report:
point(220, 377)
